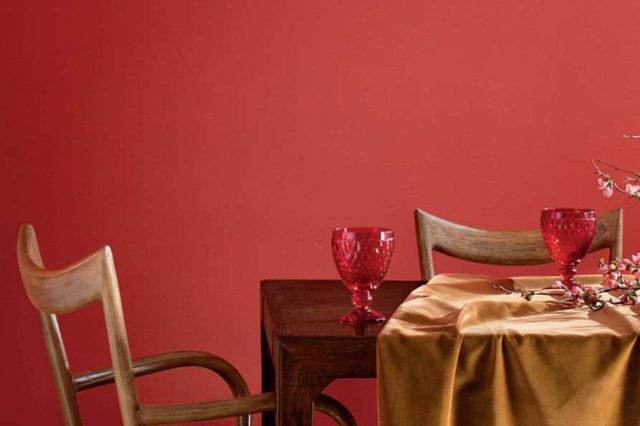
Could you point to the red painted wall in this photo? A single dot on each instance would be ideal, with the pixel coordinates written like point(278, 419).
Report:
point(213, 144)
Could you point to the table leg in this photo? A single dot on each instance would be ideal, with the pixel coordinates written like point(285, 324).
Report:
point(268, 381)
point(298, 383)
point(295, 407)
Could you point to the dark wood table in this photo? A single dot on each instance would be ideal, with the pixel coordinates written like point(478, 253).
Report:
point(304, 348)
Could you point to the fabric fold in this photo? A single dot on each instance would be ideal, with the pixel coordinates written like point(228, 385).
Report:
point(459, 352)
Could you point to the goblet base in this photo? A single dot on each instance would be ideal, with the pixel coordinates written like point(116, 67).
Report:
point(361, 317)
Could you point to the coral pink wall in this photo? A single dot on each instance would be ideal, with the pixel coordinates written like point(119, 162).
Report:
point(216, 143)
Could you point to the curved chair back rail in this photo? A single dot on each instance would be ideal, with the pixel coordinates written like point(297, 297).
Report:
point(501, 247)
point(94, 279)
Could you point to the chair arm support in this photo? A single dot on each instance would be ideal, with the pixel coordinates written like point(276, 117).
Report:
point(167, 361)
point(201, 411)
point(334, 409)
point(242, 405)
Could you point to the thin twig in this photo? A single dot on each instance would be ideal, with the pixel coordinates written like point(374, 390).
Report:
point(607, 176)
point(499, 287)
point(607, 290)
point(613, 166)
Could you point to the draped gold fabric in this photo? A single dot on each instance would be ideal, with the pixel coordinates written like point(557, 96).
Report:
point(458, 352)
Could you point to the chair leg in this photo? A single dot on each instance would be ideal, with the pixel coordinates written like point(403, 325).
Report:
point(334, 409)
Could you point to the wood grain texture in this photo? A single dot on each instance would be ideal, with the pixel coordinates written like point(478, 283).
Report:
point(501, 247)
point(94, 279)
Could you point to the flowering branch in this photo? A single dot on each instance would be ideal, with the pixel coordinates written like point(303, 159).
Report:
point(627, 290)
point(614, 280)
point(569, 297)
point(606, 182)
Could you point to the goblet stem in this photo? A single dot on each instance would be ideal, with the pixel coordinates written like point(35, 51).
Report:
point(568, 273)
point(362, 300)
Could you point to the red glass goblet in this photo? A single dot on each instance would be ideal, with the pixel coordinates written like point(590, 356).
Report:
point(568, 234)
point(362, 256)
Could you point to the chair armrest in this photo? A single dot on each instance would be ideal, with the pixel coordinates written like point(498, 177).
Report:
point(242, 405)
point(168, 361)
point(201, 411)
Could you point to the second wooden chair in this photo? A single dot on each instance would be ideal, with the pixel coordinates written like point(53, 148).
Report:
point(501, 247)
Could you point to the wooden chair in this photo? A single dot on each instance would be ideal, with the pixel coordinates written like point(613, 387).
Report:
point(93, 279)
point(501, 247)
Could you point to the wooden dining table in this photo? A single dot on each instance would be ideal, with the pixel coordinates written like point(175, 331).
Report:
point(304, 348)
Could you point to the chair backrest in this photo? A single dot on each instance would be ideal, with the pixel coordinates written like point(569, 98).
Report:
point(501, 247)
point(65, 290)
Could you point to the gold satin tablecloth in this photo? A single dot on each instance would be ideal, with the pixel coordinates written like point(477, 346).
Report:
point(458, 352)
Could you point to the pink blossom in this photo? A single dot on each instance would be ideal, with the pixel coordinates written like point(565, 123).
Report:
point(602, 184)
point(626, 261)
point(613, 276)
point(577, 290)
point(622, 267)
point(622, 282)
point(556, 284)
point(609, 283)
point(590, 290)
point(606, 186)
point(604, 268)
point(608, 192)
point(632, 190)
point(635, 258)
point(567, 294)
